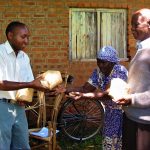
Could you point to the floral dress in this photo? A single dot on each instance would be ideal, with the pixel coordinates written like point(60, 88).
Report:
point(112, 129)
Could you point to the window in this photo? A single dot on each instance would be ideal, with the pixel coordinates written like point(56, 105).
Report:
point(91, 29)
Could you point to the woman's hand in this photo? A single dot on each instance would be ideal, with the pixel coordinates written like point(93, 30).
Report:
point(90, 95)
point(75, 95)
point(60, 89)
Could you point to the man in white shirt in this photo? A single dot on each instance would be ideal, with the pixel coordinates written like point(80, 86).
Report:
point(15, 73)
point(136, 128)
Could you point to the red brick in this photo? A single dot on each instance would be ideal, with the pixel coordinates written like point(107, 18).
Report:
point(48, 21)
point(10, 15)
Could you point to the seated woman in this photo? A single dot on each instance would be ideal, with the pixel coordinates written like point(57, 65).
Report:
point(108, 68)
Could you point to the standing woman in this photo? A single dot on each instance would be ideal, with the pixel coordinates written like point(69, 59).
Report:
point(108, 69)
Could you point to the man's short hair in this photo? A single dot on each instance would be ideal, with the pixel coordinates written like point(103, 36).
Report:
point(145, 13)
point(14, 24)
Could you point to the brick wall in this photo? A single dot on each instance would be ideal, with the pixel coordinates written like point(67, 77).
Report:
point(48, 21)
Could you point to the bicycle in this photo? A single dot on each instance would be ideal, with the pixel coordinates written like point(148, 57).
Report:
point(78, 119)
point(77, 116)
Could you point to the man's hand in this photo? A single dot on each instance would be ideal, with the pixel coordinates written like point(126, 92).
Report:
point(123, 102)
point(126, 100)
point(36, 84)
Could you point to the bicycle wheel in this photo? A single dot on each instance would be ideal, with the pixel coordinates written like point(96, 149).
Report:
point(81, 119)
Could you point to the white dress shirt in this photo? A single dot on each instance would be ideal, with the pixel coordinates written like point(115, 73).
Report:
point(13, 68)
point(143, 44)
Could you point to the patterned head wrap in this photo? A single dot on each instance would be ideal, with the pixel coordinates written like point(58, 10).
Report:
point(108, 53)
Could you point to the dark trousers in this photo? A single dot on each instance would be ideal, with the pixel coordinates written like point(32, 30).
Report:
point(136, 136)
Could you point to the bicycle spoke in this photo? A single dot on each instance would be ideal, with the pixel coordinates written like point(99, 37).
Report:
point(75, 127)
point(76, 108)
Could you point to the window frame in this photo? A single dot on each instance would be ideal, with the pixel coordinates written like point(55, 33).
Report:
point(97, 11)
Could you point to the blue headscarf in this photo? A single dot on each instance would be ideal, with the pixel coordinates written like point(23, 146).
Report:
point(108, 53)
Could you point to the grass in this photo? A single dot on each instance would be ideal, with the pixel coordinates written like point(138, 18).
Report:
point(65, 143)
point(68, 144)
